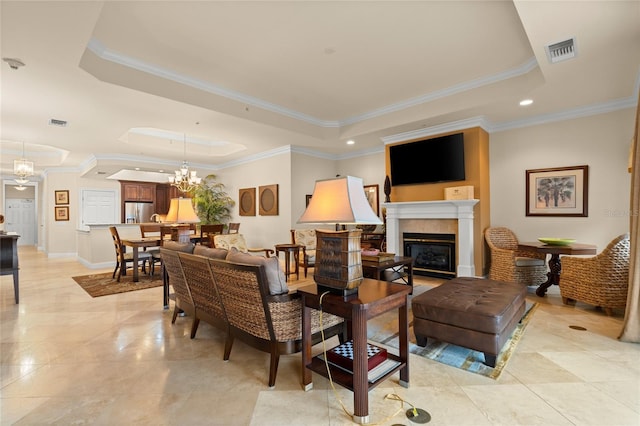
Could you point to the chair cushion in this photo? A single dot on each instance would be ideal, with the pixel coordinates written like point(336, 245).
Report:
point(142, 255)
point(306, 237)
point(528, 261)
point(275, 275)
point(213, 253)
point(226, 241)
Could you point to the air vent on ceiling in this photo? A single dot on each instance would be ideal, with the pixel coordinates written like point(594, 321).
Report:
point(59, 123)
point(561, 51)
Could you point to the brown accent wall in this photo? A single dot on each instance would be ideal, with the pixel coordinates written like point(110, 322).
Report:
point(476, 153)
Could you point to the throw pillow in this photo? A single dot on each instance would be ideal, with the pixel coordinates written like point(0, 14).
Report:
point(275, 276)
point(176, 246)
point(213, 253)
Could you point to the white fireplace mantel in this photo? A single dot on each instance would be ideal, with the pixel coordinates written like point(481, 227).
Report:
point(462, 210)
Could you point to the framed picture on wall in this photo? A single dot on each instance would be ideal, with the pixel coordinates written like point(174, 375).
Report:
point(62, 197)
point(560, 191)
point(268, 200)
point(372, 194)
point(61, 213)
point(247, 203)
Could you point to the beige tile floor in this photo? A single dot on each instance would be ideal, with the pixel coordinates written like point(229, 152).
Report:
point(117, 360)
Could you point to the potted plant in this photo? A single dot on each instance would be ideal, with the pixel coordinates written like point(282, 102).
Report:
point(213, 204)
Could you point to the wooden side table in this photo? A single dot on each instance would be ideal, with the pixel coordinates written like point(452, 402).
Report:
point(373, 298)
point(9, 261)
point(290, 249)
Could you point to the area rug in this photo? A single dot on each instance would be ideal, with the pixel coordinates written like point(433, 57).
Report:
point(103, 285)
point(446, 353)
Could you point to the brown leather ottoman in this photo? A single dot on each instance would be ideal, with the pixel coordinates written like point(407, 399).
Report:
point(475, 313)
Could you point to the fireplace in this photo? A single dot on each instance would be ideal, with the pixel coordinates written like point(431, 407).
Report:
point(461, 210)
point(434, 255)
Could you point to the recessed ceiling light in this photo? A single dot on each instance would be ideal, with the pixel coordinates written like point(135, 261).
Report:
point(350, 142)
point(526, 102)
point(161, 171)
point(137, 168)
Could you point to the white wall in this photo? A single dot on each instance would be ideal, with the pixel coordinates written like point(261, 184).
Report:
point(601, 142)
point(371, 168)
point(305, 170)
point(262, 231)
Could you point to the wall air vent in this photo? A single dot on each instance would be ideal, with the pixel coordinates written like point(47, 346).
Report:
point(59, 123)
point(561, 51)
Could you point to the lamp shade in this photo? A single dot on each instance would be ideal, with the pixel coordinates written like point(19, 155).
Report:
point(181, 211)
point(341, 200)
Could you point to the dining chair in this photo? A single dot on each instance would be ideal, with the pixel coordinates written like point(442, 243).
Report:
point(234, 228)
point(208, 231)
point(147, 231)
point(306, 238)
point(123, 258)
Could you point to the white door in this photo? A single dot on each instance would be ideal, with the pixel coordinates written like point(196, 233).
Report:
point(21, 218)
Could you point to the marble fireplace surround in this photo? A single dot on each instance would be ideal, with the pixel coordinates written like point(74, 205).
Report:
point(433, 216)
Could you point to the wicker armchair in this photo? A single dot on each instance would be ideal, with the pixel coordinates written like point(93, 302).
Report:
point(307, 238)
point(510, 264)
point(601, 280)
point(269, 323)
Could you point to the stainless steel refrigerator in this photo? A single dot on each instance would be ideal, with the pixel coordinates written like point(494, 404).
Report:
point(138, 212)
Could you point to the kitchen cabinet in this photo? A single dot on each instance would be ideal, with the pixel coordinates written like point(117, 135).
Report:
point(138, 192)
point(164, 194)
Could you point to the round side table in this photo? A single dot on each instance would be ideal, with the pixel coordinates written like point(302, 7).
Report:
point(290, 249)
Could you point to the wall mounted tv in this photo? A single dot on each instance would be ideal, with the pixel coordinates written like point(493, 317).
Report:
point(428, 161)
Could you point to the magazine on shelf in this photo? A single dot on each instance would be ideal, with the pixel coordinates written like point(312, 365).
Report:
point(375, 373)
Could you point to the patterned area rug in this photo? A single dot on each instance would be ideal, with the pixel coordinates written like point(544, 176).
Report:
point(384, 331)
point(103, 285)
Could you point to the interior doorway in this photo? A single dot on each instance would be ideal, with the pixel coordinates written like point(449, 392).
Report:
point(20, 209)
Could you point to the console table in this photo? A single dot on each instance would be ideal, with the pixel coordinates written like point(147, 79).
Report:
point(373, 298)
point(9, 261)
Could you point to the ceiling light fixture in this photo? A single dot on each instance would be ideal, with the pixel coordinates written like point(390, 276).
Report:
point(185, 180)
point(350, 142)
point(22, 168)
point(526, 102)
point(14, 63)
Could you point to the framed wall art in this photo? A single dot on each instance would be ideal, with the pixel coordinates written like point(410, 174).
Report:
point(268, 200)
point(61, 213)
point(62, 197)
point(247, 203)
point(372, 194)
point(307, 200)
point(560, 191)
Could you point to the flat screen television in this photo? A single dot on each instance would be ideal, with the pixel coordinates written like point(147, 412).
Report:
point(428, 161)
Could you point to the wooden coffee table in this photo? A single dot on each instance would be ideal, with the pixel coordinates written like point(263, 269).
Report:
point(398, 264)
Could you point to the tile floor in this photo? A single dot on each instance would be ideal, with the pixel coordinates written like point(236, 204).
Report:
point(69, 359)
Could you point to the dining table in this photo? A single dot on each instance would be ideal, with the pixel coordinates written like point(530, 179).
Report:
point(136, 244)
point(555, 266)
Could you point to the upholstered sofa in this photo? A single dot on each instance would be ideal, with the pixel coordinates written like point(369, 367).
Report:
point(248, 297)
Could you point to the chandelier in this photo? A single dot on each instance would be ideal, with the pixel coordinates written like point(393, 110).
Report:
point(185, 180)
point(22, 168)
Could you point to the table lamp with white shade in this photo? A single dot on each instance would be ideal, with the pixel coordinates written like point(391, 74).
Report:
point(181, 212)
point(338, 265)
